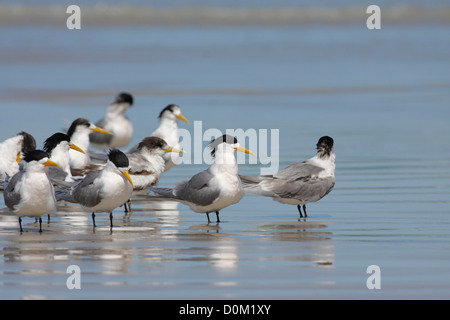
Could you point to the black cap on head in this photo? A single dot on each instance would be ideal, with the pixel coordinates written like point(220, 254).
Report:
point(54, 140)
point(118, 158)
point(170, 107)
point(76, 123)
point(35, 155)
point(124, 97)
point(222, 139)
point(28, 142)
point(152, 143)
point(325, 146)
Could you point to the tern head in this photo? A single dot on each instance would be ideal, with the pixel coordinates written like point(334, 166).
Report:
point(124, 97)
point(230, 143)
point(172, 111)
point(59, 138)
point(120, 160)
point(158, 145)
point(40, 157)
point(28, 144)
point(325, 146)
point(82, 124)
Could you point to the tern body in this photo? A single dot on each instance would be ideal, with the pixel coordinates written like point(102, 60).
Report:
point(104, 190)
point(300, 183)
point(29, 193)
point(116, 122)
point(168, 131)
point(79, 135)
point(215, 188)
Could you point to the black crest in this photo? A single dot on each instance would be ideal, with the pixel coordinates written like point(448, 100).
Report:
point(35, 155)
point(118, 158)
point(76, 123)
point(170, 107)
point(152, 143)
point(325, 146)
point(222, 139)
point(124, 97)
point(54, 140)
point(28, 142)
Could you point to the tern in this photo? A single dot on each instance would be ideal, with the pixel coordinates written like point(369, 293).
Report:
point(103, 190)
point(115, 122)
point(299, 183)
point(168, 131)
point(58, 146)
point(29, 193)
point(12, 151)
point(79, 135)
point(215, 188)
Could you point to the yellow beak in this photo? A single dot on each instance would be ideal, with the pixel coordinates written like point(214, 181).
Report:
point(77, 148)
point(50, 163)
point(18, 159)
point(127, 175)
point(242, 149)
point(181, 117)
point(171, 149)
point(97, 129)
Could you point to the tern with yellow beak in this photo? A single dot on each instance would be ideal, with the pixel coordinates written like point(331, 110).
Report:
point(168, 131)
point(58, 147)
point(29, 193)
point(103, 190)
point(79, 135)
point(215, 188)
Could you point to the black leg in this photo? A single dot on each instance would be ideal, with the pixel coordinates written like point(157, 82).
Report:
point(48, 219)
point(300, 210)
point(111, 219)
point(93, 219)
point(40, 224)
point(207, 215)
point(20, 224)
point(304, 210)
point(126, 209)
point(217, 215)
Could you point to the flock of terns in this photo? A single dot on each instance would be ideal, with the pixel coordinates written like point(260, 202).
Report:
point(35, 180)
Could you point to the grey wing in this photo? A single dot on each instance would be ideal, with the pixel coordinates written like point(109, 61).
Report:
point(10, 194)
point(98, 137)
point(198, 189)
point(310, 190)
point(87, 192)
point(298, 171)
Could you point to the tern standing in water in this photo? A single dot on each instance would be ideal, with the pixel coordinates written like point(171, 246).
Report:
point(115, 122)
point(215, 188)
point(300, 183)
point(29, 193)
point(103, 190)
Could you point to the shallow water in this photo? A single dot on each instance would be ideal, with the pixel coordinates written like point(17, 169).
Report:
point(382, 95)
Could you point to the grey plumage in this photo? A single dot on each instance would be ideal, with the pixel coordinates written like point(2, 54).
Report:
point(11, 196)
point(299, 183)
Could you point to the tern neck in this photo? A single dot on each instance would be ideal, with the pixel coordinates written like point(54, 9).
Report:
point(224, 155)
point(117, 109)
point(60, 155)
